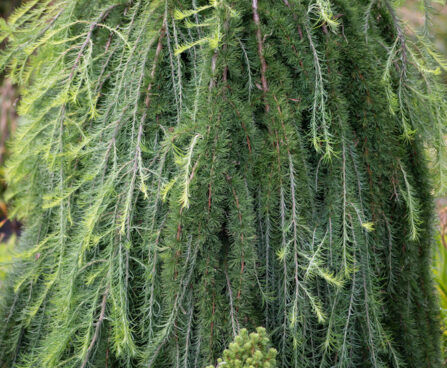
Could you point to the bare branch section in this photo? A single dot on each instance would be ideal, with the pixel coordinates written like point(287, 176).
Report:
point(147, 101)
point(87, 40)
point(101, 318)
point(260, 41)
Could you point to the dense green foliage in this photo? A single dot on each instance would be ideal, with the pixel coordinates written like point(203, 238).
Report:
point(249, 351)
point(189, 169)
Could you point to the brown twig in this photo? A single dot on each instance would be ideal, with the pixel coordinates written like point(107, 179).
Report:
point(260, 41)
point(98, 326)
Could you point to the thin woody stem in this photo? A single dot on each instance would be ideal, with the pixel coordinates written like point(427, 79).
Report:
point(260, 42)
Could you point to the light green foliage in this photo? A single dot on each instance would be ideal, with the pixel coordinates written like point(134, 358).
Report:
point(440, 265)
point(249, 351)
point(188, 169)
point(6, 256)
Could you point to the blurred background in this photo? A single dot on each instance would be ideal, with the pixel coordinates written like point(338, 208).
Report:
point(410, 10)
point(8, 123)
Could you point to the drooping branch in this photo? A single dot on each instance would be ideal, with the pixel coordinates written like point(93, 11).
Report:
point(261, 56)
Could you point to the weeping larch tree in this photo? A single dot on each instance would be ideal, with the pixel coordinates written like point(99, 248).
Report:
point(189, 169)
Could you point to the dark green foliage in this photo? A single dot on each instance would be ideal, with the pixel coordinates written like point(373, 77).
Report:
point(189, 169)
point(249, 351)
